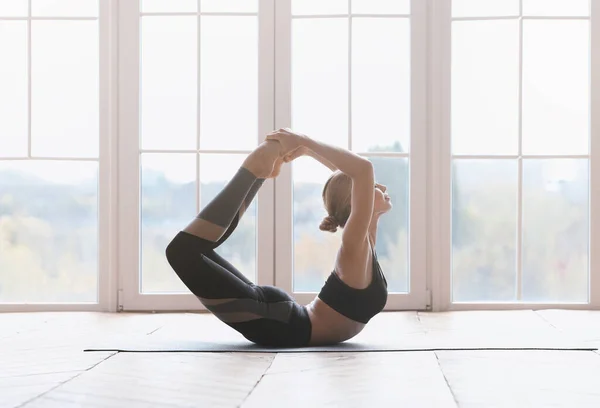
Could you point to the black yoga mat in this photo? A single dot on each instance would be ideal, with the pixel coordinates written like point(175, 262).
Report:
point(393, 344)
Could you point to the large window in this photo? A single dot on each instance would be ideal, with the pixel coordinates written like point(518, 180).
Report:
point(520, 144)
point(49, 151)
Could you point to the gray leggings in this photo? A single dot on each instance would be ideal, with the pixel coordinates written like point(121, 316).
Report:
point(265, 315)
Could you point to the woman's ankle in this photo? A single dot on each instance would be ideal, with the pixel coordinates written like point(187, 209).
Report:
point(262, 159)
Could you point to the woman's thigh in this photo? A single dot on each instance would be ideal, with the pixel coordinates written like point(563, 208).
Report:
point(198, 267)
point(263, 314)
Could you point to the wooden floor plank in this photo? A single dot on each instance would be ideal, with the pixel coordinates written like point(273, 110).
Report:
point(505, 321)
point(522, 378)
point(15, 391)
point(16, 323)
point(579, 320)
point(582, 324)
point(26, 375)
point(352, 380)
point(165, 380)
point(47, 360)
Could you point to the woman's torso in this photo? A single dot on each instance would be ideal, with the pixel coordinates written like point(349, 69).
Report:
point(329, 326)
point(357, 271)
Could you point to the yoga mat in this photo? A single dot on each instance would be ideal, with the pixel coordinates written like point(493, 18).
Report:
point(393, 344)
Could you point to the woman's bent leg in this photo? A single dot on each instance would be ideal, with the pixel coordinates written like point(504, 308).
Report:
point(190, 258)
point(263, 314)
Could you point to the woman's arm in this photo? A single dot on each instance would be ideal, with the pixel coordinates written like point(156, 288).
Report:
point(337, 158)
point(305, 151)
point(322, 160)
point(359, 169)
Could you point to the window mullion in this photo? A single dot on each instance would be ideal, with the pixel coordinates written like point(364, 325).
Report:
point(594, 250)
point(519, 237)
point(29, 78)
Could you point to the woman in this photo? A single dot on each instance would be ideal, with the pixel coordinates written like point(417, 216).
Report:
point(354, 292)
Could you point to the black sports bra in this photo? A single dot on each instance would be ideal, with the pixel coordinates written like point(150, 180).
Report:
point(357, 304)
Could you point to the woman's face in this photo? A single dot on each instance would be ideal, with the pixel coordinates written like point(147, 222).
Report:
point(383, 202)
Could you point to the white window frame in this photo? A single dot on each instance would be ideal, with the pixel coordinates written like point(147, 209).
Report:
point(418, 296)
point(130, 297)
point(439, 243)
point(107, 243)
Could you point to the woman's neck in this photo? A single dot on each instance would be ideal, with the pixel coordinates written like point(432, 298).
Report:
point(373, 229)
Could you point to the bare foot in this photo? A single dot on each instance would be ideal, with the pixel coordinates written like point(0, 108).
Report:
point(262, 161)
point(276, 167)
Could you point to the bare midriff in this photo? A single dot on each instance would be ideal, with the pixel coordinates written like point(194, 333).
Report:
point(329, 326)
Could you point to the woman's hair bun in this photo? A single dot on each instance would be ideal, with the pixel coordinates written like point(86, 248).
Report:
point(329, 223)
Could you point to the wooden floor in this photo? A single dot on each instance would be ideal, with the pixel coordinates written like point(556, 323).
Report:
point(42, 365)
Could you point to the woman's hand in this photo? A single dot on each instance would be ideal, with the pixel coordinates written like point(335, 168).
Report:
point(290, 141)
point(294, 154)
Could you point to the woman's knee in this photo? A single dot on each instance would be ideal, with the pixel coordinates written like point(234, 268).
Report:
point(184, 254)
point(185, 244)
point(187, 262)
point(172, 251)
point(176, 249)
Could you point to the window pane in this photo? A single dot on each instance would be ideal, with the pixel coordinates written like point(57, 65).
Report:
point(216, 170)
point(169, 82)
point(168, 204)
point(314, 250)
point(320, 79)
point(13, 8)
point(380, 6)
point(484, 230)
point(381, 84)
point(485, 87)
point(555, 230)
point(304, 7)
point(13, 83)
point(570, 8)
point(485, 8)
point(556, 87)
point(229, 82)
point(229, 6)
point(169, 6)
point(65, 99)
point(48, 231)
point(393, 229)
point(64, 8)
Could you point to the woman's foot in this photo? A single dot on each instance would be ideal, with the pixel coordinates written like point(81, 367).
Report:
point(266, 160)
point(276, 167)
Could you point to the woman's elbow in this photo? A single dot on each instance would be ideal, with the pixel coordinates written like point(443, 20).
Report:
point(364, 169)
point(367, 168)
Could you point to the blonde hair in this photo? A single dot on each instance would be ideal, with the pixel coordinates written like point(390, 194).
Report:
point(337, 195)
